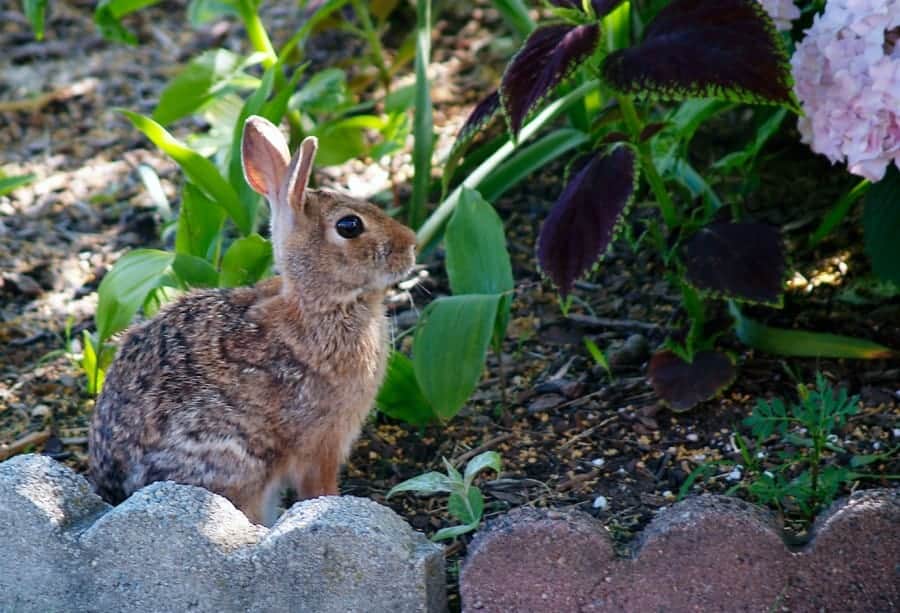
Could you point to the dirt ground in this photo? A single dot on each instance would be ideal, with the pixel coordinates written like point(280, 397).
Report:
point(570, 436)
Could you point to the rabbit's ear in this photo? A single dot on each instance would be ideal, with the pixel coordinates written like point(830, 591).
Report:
point(299, 171)
point(265, 156)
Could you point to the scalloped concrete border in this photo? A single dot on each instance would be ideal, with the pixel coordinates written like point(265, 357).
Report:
point(705, 554)
point(173, 547)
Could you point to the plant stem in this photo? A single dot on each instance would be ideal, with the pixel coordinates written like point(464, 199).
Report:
point(257, 34)
point(362, 13)
point(666, 206)
point(435, 222)
point(423, 128)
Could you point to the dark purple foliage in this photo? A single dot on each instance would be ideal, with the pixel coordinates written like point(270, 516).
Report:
point(567, 4)
point(583, 221)
point(710, 48)
point(550, 54)
point(682, 385)
point(744, 261)
point(481, 115)
point(651, 130)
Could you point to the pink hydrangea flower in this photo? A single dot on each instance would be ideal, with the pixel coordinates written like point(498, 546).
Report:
point(782, 12)
point(847, 73)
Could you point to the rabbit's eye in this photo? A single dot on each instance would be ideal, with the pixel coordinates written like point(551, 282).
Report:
point(350, 226)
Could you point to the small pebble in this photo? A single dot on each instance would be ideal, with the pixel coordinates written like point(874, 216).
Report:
point(41, 410)
point(693, 437)
point(734, 475)
point(600, 502)
point(598, 462)
point(896, 432)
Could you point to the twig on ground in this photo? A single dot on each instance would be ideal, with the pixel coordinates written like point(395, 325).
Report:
point(29, 440)
point(578, 480)
point(490, 444)
point(606, 322)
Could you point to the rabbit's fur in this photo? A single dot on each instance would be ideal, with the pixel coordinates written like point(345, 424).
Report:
point(242, 391)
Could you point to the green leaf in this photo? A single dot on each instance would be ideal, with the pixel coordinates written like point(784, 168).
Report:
point(203, 11)
point(109, 12)
point(838, 211)
point(197, 168)
point(10, 184)
point(453, 331)
point(34, 11)
point(199, 223)
point(325, 92)
point(881, 223)
point(597, 354)
point(95, 359)
point(199, 82)
point(781, 341)
point(488, 459)
point(400, 396)
point(529, 159)
point(341, 140)
point(477, 260)
point(246, 261)
point(428, 483)
point(453, 531)
point(745, 157)
point(125, 288)
point(194, 271)
point(468, 508)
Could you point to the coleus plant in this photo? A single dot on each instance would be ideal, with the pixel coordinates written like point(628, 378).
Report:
point(696, 51)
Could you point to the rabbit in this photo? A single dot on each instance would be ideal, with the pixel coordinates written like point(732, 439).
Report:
point(245, 390)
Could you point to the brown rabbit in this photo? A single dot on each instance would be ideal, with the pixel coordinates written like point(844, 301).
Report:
point(244, 390)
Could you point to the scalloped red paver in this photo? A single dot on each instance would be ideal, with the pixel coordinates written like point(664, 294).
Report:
point(708, 553)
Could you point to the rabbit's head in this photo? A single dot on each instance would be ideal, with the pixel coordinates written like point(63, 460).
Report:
point(328, 247)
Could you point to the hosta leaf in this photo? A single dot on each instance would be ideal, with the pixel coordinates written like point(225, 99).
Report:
point(199, 223)
point(125, 288)
point(682, 385)
point(547, 58)
point(400, 396)
point(246, 261)
point(881, 224)
point(196, 84)
point(197, 168)
point(477, 260)
point(584, 220)
point(457, 331)
point(726, 49)
point(194, 271)
point(743, 260)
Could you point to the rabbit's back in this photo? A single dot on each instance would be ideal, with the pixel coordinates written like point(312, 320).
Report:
point(204, 394)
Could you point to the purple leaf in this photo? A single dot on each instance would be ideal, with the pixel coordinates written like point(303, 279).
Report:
point(725, 49)
point(682, 385)
point(547, 58)
point(567, 4)
point(483, 113)
point(744, 261)
point(584, 220)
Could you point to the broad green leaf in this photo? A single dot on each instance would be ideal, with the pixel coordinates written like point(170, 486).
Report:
point(477, 260)
point(781, 341)
point(194, 271)
point(125, 288)
point(400, 397)
point(881, 223)
point(246, 261)
point(453, 331)
point(455, 476)
point(530, 159)
point(325, 92)
point(155, 190)
point(109, 12)
point(400, 100)
point(203, 11)
point(488, 459)
point(427, 483)
point(91, 363)
point(197, 168)
point(340, 140)
point(10, 184)
point(199, 223)
point(197, 83)
point(453, 531)
point(34, 11)
point(423, 123)
point(466, 508)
